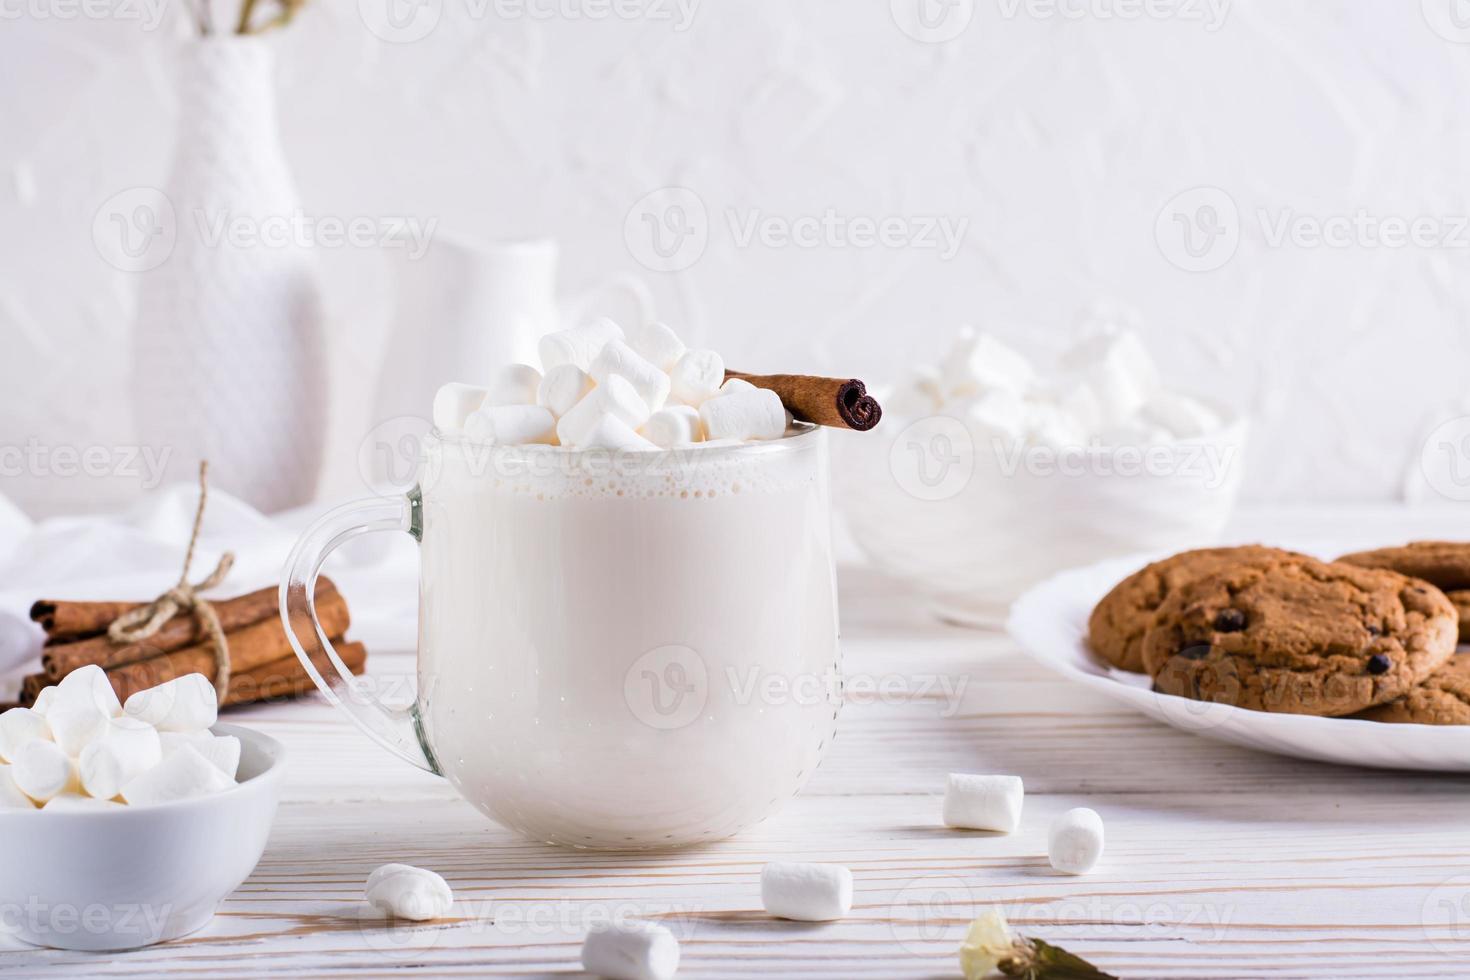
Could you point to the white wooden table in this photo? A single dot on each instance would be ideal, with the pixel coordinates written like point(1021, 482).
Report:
point(1220, 862)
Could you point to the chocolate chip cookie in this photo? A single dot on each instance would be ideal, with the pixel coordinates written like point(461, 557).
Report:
point(1461, 600)
point(1118, 623)
point(1443, 698)
point(1300, 636)
point(1445, 564)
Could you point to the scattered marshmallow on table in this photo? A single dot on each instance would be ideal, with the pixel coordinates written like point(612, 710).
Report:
point(42, 770)
point(675, 425)
point(182, 775)
point(754, 414)
point(978, 363)
point(807, 892)
point(976, 802)
point(19, 727)
point(454, 402)
point(562, 387)
point(633, 950)
point(512, 424)
point(1075, 841)
point(124, 749)
point(406, 892)
point(512, 384)
point(697, 377)
point(578, 345)
point(184, 704)
point(617, 358)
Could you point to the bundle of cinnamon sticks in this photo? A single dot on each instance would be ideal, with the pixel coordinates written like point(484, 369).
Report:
point(262, 664)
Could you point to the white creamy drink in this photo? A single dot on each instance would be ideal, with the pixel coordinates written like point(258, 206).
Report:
point(627, 605)
point(634, 659)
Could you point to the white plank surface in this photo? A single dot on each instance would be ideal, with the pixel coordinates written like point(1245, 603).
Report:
point(1220, 863)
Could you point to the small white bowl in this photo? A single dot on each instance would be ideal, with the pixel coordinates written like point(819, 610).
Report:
point(972, 523)
point(126, 877)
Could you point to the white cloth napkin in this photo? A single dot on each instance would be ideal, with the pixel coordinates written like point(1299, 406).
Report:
point(138, 555)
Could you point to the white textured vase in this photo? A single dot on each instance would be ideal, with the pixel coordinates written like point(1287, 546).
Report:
point(228, 353)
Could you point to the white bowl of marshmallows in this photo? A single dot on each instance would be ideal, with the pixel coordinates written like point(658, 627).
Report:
point(992, 474)
point(127, 825)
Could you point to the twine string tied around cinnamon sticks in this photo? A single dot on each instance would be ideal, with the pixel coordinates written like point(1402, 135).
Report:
point(147, 620)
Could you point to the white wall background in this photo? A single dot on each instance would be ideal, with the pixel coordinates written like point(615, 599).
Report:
point(1059, 132)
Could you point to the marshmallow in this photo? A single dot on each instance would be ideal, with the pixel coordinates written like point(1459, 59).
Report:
point(184, 704)
point(75, 722)
point(512, 384)
point(1000, 414)
point(126, 748)
point(676, 425)
point(579, 345)
point(76, 802)
point(453, 403)
point(42, 770)
point(406, 892)
point(512, 425)
point(1052, 425)
point(616, 397)
point(11, 797)
point(733, 385)
point(617, 358)
point(18, 728)
point(222, 750)
point(90, 683)
point(181, 775)
point(696, 377)
point(983, 802)
point(1118, 369)
point(630, 951)
point(1075, 841)
point(1181, 415)
point(756, 414)
point(659, 346)
point(610, 432)
point(977, 364)
point(563, 386)
point(43, 700)
point(809, 892)
point(922, 393)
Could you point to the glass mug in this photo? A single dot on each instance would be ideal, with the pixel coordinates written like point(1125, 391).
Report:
point(616, 649)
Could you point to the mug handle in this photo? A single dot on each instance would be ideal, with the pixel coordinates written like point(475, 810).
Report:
point(396, 729)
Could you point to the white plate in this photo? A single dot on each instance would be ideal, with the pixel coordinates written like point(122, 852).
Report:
point(1050, 621)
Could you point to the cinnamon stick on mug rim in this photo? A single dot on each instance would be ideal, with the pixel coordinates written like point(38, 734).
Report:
point(842, 403)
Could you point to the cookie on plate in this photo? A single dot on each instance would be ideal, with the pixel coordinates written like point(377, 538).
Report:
point(1300, 636)
point(1461, 600)
point(1445, 564)
point(1118, 623)
point(1443, 699)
